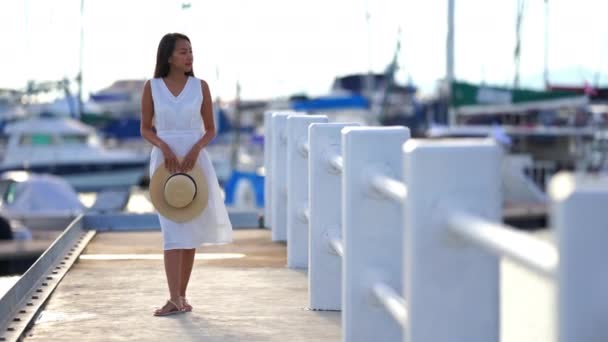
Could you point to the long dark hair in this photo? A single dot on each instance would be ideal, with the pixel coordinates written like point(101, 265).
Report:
point(165, 50)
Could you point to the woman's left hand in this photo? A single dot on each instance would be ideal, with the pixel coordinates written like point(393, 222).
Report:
point(190, 159)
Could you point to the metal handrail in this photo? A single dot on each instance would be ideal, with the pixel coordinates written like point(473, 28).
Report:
point(305, 149)
point(389, 187)
point(539, 256)
point(337, 163)
point(392, 302)
point(337, 246)
point(306, 215)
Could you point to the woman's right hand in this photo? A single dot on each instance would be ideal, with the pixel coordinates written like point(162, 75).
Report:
point(171, 162)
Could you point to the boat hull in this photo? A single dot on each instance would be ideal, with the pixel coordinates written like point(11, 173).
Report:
point(90, 176)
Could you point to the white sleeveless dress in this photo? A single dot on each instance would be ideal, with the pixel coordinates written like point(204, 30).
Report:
point(178, 122)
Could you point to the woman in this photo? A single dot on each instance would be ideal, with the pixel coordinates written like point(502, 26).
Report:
point(177, 118)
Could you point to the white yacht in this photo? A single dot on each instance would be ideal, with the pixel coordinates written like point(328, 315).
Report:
point(38, 202)
point(72, 150)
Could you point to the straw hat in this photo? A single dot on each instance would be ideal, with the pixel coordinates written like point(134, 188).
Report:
point(179, 197)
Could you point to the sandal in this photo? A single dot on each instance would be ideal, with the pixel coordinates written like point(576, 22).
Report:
point(187, 306)
point(175, 310)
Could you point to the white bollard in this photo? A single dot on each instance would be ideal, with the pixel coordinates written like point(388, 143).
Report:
point(278, 194)
point(579, 216)
point(372, 231)
point(325, 201)
point(452, 287)
point(297, 183)
point(267, 168)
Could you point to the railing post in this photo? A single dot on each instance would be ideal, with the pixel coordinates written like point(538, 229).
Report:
point(325, 200)
point(452, 288)
point(372, 231)
point(279, 177)
point(267, 168)
point(579, 215)
point(297, 183)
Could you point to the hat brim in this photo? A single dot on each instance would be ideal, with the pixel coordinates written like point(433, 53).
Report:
point(187, 213)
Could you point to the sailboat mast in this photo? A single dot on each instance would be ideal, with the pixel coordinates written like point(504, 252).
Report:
point(546, 59)
point(449, 68)
point(236, 143)
point(369, 82)
point(517, 53)
point(80, 105)
point(449, 64)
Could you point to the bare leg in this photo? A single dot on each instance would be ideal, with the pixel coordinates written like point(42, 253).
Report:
point(172, 270)
point(187, 261)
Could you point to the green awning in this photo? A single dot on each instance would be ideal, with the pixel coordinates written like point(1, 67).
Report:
point(471, 99)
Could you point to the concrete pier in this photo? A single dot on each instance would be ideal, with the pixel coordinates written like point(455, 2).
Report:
point(240, 292)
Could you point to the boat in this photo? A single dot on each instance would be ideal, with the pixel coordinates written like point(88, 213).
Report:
point(11, 108)
point(68, 148)
point(541, 132)
point(38, 202)
point(121, 101)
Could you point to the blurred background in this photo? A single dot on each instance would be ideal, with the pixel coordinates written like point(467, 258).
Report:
point(531, 74)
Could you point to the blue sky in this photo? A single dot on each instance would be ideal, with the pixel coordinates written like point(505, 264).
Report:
point(279, 47)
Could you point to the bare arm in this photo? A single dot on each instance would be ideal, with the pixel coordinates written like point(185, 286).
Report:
point(147, 119)
point(147, 131)
point(207, 114)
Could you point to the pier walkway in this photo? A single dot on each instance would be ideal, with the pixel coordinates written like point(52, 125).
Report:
point(240, 292)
